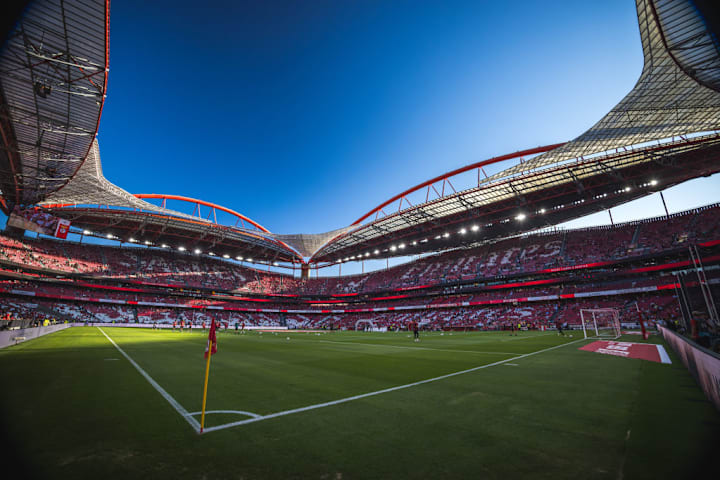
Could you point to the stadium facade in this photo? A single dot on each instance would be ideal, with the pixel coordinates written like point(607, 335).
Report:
point(665, 131)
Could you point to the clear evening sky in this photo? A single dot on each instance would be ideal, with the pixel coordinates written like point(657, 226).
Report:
point(304, 115)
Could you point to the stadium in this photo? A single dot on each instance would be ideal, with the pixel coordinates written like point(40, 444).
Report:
point(148, 335)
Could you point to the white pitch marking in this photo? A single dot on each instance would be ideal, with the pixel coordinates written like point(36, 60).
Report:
point(179, 408)
point(664, 357)
point(378, 392)
point(239, 412)
point(512, 364)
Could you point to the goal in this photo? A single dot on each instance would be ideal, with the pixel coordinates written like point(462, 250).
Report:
point(600, 322)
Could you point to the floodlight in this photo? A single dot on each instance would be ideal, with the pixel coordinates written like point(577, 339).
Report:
point(226, 256)
point(462, 231)
point(653, 182)
point(182, 249)
point(474, 228)
point(197, 250)
point(521, 217)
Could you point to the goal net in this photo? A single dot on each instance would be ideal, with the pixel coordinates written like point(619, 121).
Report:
point(600, 322)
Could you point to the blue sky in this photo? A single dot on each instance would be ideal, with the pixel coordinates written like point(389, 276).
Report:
point(305, 115)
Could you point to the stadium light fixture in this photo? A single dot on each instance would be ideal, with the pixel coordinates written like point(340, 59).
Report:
point(211, 254)
point(197, 250)
point(376, 252)
point(653, 182)
point(148, 242)
point(627, 189)
point(276, 263)
point(542, 210)
point(446, 234)
point(182, 249)
point(87, 232)
point(226, 256)
point(109, 235)
point(367, 254)
point(163, 246)
point(393, 248)
point(414, 242)
point(521, 217)
point(401, 246)
point(438, 237)
point(248, 259)
point(239, 258)
point(131, 239)
point(462, 231)
point(475, 228)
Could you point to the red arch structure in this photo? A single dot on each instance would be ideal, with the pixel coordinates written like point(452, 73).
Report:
point(445, 178)
point(213, 207)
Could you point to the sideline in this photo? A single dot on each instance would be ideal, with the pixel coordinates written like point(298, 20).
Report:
point(179, 408)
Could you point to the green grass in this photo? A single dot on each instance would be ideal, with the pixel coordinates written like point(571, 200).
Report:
point(74, 407)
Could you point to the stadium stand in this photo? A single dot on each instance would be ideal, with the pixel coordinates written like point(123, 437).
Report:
point(533, 281)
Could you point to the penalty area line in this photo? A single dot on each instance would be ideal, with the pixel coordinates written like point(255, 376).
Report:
point(380, 392)
point(179, 408)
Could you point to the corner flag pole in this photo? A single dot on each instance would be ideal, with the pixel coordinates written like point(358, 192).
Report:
point(207, 374)
point(211, 349)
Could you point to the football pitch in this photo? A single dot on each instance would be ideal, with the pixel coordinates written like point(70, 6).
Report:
point(107, 402)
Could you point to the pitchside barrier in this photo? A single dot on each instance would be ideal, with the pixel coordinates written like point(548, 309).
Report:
point(703, 364)
point(13, 337)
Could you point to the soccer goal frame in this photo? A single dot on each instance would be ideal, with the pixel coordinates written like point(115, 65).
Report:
point(603, 322)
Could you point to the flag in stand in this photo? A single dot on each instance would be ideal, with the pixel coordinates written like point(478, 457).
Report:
point(212, 341)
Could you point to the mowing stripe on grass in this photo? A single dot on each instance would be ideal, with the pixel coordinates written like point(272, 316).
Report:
point(179, 408)
point(378, 392)
point(409, 348)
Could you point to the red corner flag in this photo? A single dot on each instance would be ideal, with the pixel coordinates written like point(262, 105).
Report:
point(212, 341)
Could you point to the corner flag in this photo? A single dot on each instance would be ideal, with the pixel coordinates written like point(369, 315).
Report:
point(210, 350)
point(212, 341)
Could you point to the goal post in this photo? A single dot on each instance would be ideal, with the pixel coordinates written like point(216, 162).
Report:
point(600, 322)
